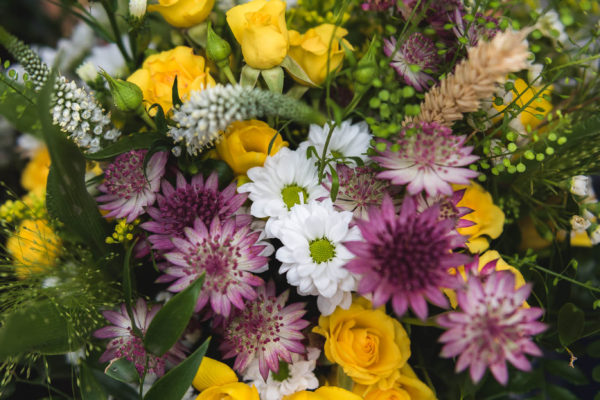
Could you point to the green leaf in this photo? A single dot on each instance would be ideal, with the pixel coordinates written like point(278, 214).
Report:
point(118, 389)
point(249, 76)
point(593, 350)
point(170, 322)
point(297, 91)
point(175, 94)
point(35, 326)
point(558, 392)
point(159, 118)
point(122, 370)
point(296, 71)
point(89, 386)
point(137, 141)
point(562, 369)
point(223, 170)
point(335, 182)
point(177, 381)
point(67, 198)
point(17, 105)
point(273, 78)
point(570, 323)
point(596, 373)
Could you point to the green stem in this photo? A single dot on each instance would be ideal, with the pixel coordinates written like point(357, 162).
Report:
point(144, 115)
point(566, 278)
point(227, 70)
point(117, 34)
point(415, 321)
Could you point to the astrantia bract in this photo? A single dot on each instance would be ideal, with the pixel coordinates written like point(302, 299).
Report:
point(492, 327)
point(405, 257)
point(413, 59)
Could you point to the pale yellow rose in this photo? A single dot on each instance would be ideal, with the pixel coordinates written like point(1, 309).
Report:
point(34, 247)
point(324, 393)
point(367, 343)
point(245, 145)
point(488, 218)
point(312, 49)
point(183, 13)
point(158, 72)
point(259, 27)
point(407, 387)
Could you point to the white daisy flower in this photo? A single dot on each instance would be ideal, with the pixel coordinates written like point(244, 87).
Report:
point(300, 376)
point(347, 140)
point(286, 179)
point(313, 256)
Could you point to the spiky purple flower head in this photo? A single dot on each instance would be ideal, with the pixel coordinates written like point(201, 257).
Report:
point(427, 156)
point(126, 344)
point(449, 208)
point(378, 5)
point(178, 207)
point(492, 327)
point(127, 190)
point(228, 254)
point(405, 257)
point(266, 330)
point(413, 60)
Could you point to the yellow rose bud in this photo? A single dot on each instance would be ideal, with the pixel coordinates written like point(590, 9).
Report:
point(260, 28)
point(312, 50)
point(324, 393)
point(34, 247)
point(230, 391)
point(183, 13)
point(158, 72)
point(245, 145)
point(367, 343)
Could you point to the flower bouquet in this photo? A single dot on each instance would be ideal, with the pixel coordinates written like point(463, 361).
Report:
point(315, 200)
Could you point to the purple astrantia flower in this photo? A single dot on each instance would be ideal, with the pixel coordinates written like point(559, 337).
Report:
point(413, 60)
point(406, 257)
point(426, 156)
point(178, 207)
point(482, 27)
point(492, 327)
point(227, 253)
point(448, 207)
point(127, 191)
point(359, 189)
point(378, 5)
point(267, 330)
point(125, 344)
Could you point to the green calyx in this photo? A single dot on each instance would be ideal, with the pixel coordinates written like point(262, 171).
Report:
point(291, 195)
point(321, 250)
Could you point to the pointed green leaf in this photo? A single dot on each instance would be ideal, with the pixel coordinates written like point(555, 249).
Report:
point(122, 370)
point(170, 322)
point(249, 76)
point(117, 389)
point(177, 381)
point(17, 105)
point(274, 79)
point(297, 91)
point(175, 94)
point(137, 141)
point(159, 118)
point(294, 69)
point(89, 386)
point(570, 323)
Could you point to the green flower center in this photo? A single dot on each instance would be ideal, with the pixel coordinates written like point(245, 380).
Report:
point(291, 195)
point(321, 250)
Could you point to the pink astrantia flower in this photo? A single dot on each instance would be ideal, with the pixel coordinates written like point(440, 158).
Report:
point(179, 207)
point(229, 255)
point(426, 156)
point(267, 330)
point(405, 257)
point(492, 327)
point(448, 207)
point(413, 60)
point(127, 191)
point(125, 343)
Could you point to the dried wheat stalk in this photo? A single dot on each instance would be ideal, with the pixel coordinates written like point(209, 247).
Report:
point(474, 79)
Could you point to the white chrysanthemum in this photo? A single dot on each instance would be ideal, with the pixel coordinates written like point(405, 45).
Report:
point(313, 256)
point(286, 179)
point(300, 376)
point(347, 140)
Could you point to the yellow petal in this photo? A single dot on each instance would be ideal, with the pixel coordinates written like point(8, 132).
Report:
point(213, 373)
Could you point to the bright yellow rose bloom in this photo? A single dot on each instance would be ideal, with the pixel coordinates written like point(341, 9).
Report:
point(367, 343)
point(158, 72)
point(35, 174)
point(259, 27)
point(245, 145)
point(217, 381)
point(34, 246)
point(230, 391)
point(311, 50)
point(488, 218)
point(407, 387)
point(183, 13)
point(523, 93)
point(324, 393)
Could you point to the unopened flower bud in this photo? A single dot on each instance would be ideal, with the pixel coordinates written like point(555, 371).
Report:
point(366, 70)
point(594, 233)
point(217, 49)
point(580, 185)
point(579, 224)
point(126, 95)
point(137, 8)
point(87, 72)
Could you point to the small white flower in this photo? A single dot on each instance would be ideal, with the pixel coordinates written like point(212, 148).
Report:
point(313, 256)
point(137, 8)
point(549, 25)
point(580, 185)
point(286, 179)
point(300, 377)
point(595, 235)
point(579, 224)
point(75, 357)
point(347, 140)
point(87, 72)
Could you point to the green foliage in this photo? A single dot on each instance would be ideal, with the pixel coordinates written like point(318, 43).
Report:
point(18, 105)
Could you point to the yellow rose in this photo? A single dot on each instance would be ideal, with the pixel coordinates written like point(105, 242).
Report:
point(158, 72)
point(367, 343)
point(35, 174)
point(230, 391)
point(34, 246)
point(259, 27)
point(312, 50)
point(488, 218)
point(407, 387)
point(245, 144)
point(183, 13)
point(217, 381)
point(324, 393)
